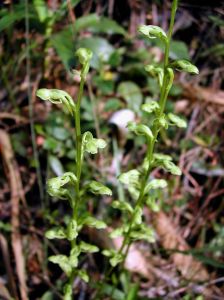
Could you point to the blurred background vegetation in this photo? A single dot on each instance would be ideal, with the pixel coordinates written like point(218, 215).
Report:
point(37, 45)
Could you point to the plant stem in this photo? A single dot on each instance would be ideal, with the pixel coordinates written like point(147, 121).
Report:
point(151, 144)
point(78, 136)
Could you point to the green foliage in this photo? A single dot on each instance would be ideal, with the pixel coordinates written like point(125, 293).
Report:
point(67, 186)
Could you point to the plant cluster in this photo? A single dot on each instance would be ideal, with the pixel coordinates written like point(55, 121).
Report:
point(68, 186)
point(143, 189)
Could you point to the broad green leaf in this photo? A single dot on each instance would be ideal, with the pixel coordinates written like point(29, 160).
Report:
point(91, 144)
point(155, 184)
point(184, 65)
point(85, 247)
point(42, 10)
point(101, 48)
point(150, 107)
point(83, 275)
point(178, 50)
point(152, 32)
point(10, 18)
point(72, 231)
point(56, 165)
point(140, 129)
point(106, 25)
point(98, 188)
point(57, 97)
point(93, 222)
point(63, 43)
point(172, 168)
point(63, 262)
point(131, 92)
point(176, 120)
point(122, 205)
point(129, 178)
point(55, 233)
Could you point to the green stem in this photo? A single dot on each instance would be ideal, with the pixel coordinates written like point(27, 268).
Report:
point(78, 136)
point(151, 145)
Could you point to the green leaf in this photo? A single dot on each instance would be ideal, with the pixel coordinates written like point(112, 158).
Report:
point(63, 262)
point(10, 18)
point(144, 233)
point(55, 233)
point(117, 232)
point(184, 65)
point(85, 247)
point(129, 178)
point(137, 219)
point(152, 204)
point(162, 121)
point(64, 45)
point(158, 157)
point(178, 50)
point(152, 32)
point(56, 165)
point(93, 222)
point(106, 25)
point(42, 10)
point(98, 188)
point(122, 205)
point(57, 97)
point(131, 92)
point(172, 168)
point(72, 231)
point(73, 258)
point(140, 129)
point(155, 184)
point(115, 259)
point(151, 107)
point(101, 49)
point(176, 120)
point(155, 72)
point(83, 275)
point(90, 144)
point(54, 185)
point(67, 292)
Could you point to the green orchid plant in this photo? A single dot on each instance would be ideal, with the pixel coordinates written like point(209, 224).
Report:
point(141, 186)
point(68, 186)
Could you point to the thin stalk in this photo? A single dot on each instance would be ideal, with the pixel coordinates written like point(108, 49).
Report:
point(78, 136)
point(151, 145)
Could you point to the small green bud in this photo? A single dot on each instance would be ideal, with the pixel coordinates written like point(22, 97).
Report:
point(84, 55)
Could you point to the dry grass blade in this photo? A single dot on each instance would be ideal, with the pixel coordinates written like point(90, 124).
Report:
point(16, 195)
point(6, 259)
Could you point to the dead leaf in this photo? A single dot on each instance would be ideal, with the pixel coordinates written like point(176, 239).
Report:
point(189, 267)
point(198, 93)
